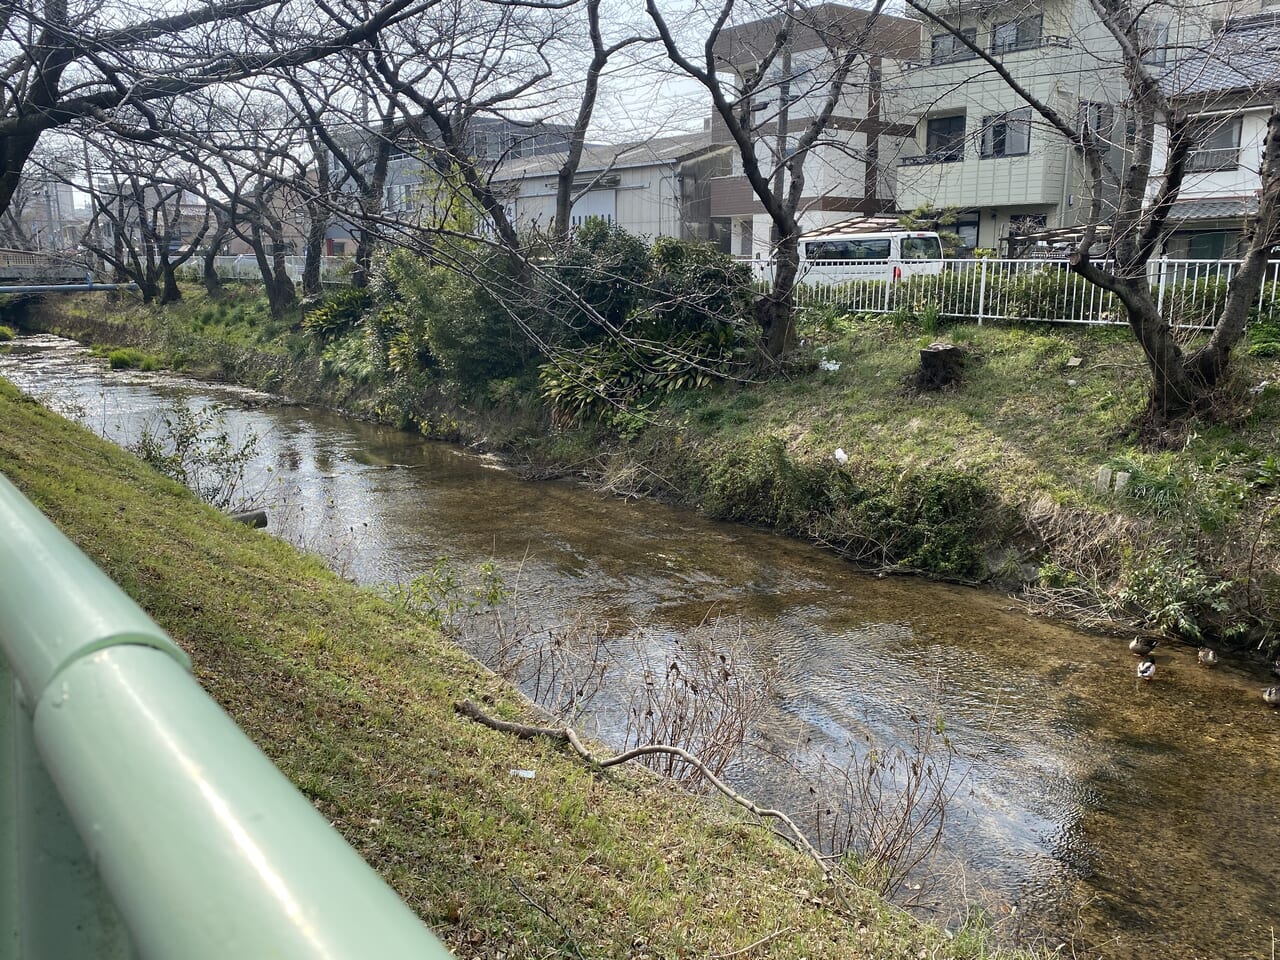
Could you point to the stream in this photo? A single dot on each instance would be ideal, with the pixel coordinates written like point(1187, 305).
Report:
point(1129, 819)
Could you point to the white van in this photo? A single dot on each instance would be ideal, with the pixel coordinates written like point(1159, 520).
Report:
point(892, 255)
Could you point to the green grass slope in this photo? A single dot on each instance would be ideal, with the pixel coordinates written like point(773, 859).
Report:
point(353, 700)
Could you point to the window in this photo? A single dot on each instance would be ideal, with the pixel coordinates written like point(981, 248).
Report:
point(1096, 121)
point(947, 47)
point(921, 248)
point(966, 229)
point(847, 249)
point(1207, 246)
point(1153, 38)
point(1217, 145)
point(944, 139)
point(1007, 134)
point(1020, 34)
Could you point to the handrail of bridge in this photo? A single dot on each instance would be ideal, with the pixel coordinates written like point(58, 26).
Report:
point(136, 819)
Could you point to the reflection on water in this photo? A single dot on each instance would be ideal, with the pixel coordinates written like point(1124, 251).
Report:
point(1150, 811)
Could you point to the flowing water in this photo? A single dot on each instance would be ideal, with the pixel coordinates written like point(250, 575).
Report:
point(1140, 820)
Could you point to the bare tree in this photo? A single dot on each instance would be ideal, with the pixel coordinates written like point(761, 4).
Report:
point(354, 151)
point(1130, 203)
point(15, 232)
point(64, 62)
point(144, 224)
point(776, 114)
point(601, 53)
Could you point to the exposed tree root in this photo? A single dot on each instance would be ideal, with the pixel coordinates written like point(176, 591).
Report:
point(794, 834)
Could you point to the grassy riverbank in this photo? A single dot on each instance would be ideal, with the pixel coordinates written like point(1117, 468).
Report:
point(994, 481)
point(353, 700)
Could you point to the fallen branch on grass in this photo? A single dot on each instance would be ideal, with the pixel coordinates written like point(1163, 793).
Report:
point(567, 735)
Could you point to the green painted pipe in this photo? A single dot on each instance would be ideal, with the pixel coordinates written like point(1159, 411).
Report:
point(208, 851)
point(202, 846)
point(55, 605)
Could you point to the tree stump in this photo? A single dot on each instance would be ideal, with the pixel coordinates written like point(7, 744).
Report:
point(941, 365)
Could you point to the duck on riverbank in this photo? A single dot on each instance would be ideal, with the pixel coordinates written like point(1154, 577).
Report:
point(1271, 696)
point(1207, 657)
point(1142, 646)
point(1147, 668)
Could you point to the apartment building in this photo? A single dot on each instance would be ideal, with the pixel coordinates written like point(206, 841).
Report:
point(850, 170)
point(978, 146)
point(1226, 83)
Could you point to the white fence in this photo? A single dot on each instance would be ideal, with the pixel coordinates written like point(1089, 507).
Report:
point(333, 270)
point(1190, 293)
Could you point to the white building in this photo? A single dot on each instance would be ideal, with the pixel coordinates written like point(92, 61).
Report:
point(1226, 84)
point(655, 188)
point(850, 170)
point(978, 145)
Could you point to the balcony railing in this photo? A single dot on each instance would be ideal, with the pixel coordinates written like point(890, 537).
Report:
point(937, 156)
point(995, 49)
point(1216, 158)
point(1034, 43)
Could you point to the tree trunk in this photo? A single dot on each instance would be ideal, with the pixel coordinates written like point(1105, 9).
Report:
point(170, 291)
point(313, 254)
point(364, 259)
point(212, 282)
point(775, 310)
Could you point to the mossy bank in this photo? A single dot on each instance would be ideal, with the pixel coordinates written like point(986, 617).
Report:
point(1030, 474)
point(353, 699)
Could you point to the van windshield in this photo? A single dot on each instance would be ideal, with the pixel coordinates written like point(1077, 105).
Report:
point(921, 248)
point(847, 249)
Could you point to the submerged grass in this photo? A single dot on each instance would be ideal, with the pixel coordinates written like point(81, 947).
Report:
point(352, 699)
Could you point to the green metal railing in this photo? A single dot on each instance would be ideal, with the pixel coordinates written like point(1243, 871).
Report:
point(136, 819)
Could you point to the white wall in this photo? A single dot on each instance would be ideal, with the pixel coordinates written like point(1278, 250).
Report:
point(645, 201)
point(1243, 181)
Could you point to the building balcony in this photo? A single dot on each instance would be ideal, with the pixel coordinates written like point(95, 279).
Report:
point(966, 55)
point(970, 181)
point(937, 156)
point(1213, 160)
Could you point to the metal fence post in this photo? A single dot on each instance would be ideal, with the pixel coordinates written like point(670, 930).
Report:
point(1164, 263)
point(982, 289)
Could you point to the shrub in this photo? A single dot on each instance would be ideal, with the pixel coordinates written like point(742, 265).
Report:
point(128, 358)
point(338, 312)
point(759, 482)
point(607, 269)
point(452, 322)
point(195, 448)
point(930, 521)
point(603, 380)
point(695, 292)
point(1053, 291)
point(1173, 593)
point(6, 333)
